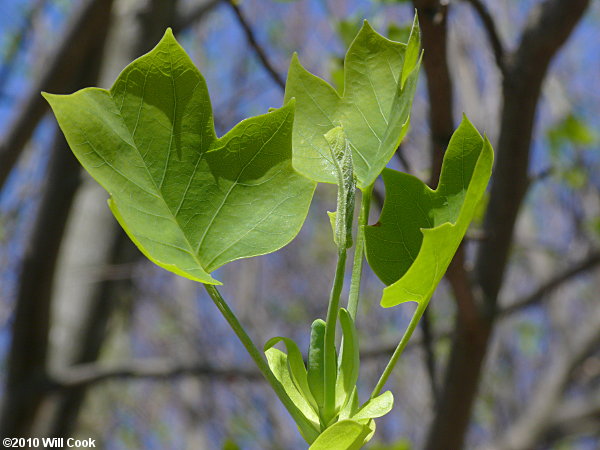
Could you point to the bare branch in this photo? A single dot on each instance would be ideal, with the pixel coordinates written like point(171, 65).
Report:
point(492, 33)
point(589, 263)
point(534, 423)
point(578, 416)
point(17, 42)
point(522, 87)
point(194, 15)
point(514, 307)
point(260, 52)
point(86, 375)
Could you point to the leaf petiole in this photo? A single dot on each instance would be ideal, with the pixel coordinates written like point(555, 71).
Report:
point(330, 371)
point(399, 349)
point(254, 353)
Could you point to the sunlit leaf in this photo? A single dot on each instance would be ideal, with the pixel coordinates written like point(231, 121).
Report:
point(190, 201)
point(296, 366)
point(308, 423)
point(351, 406)
point(373, 109)
point(342, 435)
point(349, 361)
point(376, 407)
point(419, 230)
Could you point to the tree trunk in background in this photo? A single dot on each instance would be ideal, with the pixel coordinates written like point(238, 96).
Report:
point(89, 306)
point(524, 75)
point(28, 353)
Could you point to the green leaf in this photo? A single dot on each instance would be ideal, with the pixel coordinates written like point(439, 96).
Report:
point(351, 406)
point(342, 435)
point(413, 49)
point(374, 119)
point(376, 407)
point(190, 201)
point(296, 367)
point(308, 423)
point(316, 362)
point(419, 230)
point(349, 361)
point(372, 426)
point(402, 444)
point(332, 221)
point(571, 130)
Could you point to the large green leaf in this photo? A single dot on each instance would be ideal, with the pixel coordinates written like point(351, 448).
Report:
point(379, 85)
point(190, 201)
point(419, 230)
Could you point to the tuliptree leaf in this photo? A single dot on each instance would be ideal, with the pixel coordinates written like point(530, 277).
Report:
point(190, 201)
point(419, 230)
point(373, 109)
point(342, 435)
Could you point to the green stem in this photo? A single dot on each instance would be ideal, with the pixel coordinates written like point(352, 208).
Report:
point(330, 327)
point(254, 353)
point(359, 251)
point(401, 346)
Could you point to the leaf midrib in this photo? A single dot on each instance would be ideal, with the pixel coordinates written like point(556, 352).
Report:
point(159, 194)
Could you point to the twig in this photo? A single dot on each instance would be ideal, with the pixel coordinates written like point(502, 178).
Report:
point(555, 282)
point(492, 33)
point(156, 369)
point(533, 424)
point(195, 14)
point(574, 417)
point(17, 42)
point(262, 56)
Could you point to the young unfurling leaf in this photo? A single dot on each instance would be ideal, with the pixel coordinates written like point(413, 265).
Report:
point(380, 78)
point(341, 156)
